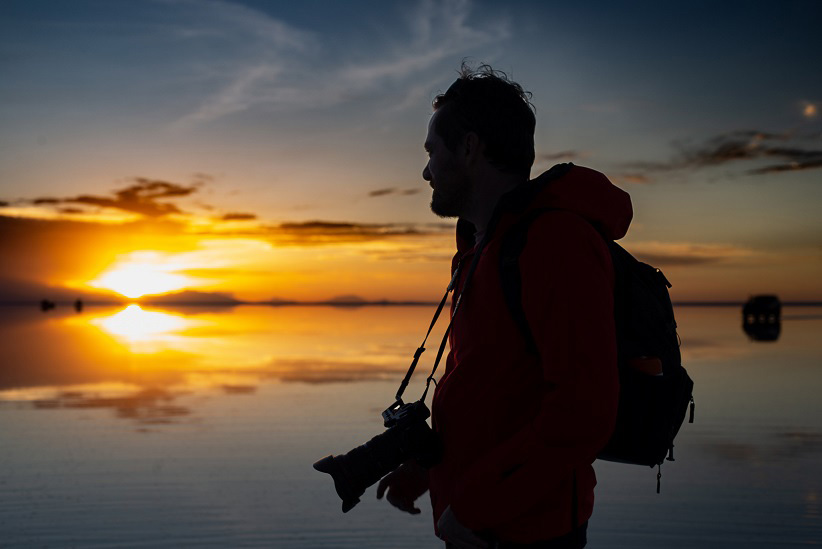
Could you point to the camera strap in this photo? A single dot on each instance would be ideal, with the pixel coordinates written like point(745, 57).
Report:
point(421, 348)
point(451, 285)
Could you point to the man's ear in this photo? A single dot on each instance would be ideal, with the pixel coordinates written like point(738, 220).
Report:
point(473, 148)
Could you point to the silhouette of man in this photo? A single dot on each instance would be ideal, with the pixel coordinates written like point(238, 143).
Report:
point(520, 426)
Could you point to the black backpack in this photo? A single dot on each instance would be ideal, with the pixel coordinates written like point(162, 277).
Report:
point(655, 389)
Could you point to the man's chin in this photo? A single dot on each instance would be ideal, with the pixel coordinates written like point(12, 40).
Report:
point(443, 208)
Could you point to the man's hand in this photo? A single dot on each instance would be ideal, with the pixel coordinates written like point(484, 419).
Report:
point(456, 535)
point(408, 482)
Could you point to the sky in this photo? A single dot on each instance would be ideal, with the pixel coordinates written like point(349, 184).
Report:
point(273, 150)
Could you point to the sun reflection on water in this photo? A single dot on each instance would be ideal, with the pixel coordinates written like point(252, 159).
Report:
point(135, 325)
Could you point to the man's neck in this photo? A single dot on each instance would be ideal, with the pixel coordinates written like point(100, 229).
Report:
point(484, 200)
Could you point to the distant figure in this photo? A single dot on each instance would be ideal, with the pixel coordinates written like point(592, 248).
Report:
point(46, 305)
point(520, 426)
point(761, 318)
point(78, 305)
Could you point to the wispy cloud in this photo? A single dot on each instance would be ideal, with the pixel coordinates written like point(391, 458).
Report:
point(780, 152)
point(630, 178)
point(276, 79)
point(329, 232)
point(561, 155)
point(662, 254)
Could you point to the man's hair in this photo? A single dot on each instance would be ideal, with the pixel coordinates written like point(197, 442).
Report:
point(484, 101)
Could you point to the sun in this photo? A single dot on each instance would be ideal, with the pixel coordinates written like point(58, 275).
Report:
point(144, 273)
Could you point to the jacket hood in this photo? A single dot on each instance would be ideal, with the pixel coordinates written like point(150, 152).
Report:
point(587, 193)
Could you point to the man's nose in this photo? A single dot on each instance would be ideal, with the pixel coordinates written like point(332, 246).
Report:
point(426, 173)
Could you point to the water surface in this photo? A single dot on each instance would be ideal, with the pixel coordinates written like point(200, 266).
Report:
point(197, 427)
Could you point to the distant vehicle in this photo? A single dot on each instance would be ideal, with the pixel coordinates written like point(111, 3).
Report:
point(761, 317)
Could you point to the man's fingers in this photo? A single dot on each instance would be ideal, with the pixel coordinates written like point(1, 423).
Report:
point(384, 483)
point(402, 504)
point(382, 486)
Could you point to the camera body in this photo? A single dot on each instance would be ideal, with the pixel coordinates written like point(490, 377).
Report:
point(407, 436)
point(400, 412)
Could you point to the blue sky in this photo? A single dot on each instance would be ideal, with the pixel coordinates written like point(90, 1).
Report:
point(317, 110)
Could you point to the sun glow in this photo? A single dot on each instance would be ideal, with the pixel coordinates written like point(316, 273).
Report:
point(144, 273)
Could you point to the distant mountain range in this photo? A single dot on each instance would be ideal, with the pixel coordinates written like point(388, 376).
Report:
point(19, 291)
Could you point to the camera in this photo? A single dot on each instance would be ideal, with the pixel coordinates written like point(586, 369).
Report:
point(407, 436)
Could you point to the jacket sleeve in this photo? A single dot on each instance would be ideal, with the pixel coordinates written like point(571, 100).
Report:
point(567, 288)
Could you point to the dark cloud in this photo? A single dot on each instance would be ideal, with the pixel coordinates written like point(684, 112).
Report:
point(3, 204)
point(790, 167)
point(332, 232)
point(310, 233)
point(393, 190)
point(382, 192)
point(785, 151)
point(147, 197)
point(238, 217)
point(239, 389)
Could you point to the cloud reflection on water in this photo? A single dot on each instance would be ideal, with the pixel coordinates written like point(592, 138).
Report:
point(162, 355)
point(146, 406)
point(139, 362)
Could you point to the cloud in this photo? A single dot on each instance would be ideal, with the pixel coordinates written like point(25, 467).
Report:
point(781, 151)
point(630, 178)
point(238, 217)
point(392, 190)
point(272, 74)
point(422, 253)
point(382, 192)
point(561, 155)
point(672, 254)
point(146, 197)
point(332, 232)
point(790, 167)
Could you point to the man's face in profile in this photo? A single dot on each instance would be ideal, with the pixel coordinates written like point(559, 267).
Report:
point(445, 175)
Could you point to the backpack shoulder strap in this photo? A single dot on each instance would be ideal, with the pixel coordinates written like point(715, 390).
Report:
point(513, 243)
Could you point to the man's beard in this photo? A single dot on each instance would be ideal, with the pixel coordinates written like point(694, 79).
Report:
point(453, 202)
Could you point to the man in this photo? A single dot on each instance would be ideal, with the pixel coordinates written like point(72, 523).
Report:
point(520, 426)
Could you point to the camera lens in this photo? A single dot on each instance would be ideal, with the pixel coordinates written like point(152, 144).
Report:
point(365, 465)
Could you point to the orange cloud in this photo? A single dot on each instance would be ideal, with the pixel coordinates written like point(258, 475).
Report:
point(683, 253)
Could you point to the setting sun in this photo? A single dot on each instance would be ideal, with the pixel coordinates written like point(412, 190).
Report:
point(144, 273)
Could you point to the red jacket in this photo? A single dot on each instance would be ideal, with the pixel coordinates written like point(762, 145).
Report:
point(515, 427)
